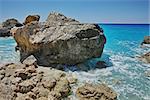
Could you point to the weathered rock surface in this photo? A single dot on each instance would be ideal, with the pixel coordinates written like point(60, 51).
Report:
point(145, 58)
point(31, 18)
point(60, 40)
point(29, 82)
point(7, 25)
point(95, 92)
point(146, 40)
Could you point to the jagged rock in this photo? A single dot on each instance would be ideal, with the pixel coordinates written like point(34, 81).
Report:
point(54, 96)
point(30, 60)
point(145, 58)
point(146, 40)
point(25, 86)
point(21, 73)
point(63, 87)
point(31, 18)
point(147, 73)
point(60, 40)
point(31, 95)
point(95, 92)
point(49, 84)
point(4, 32)
point(55, 19)
point(7, 25)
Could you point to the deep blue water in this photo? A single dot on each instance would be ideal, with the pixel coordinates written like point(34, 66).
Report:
point(125, 74)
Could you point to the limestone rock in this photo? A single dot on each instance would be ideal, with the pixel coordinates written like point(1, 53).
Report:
point(27, 82)
point(4, 32)
point(145, 58)
point(31, 18)
point(25, 86)
point(49, 84)
point(146, 40)
point(54, 96)
point(95, 92)
point(7, 25)
point(55, 19)
point(30, 60)
point(63, 87)
point(60, 40)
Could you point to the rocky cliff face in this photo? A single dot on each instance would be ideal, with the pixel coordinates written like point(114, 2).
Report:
point(60, 40)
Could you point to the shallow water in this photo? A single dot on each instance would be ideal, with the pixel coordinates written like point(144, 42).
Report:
point(125, 73)
point(7, 50)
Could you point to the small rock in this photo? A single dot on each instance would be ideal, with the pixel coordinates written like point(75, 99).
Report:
point(101, 64)
point(31, 18)
point(147, 73)
point(145, 58)
point(30, 60)
point(95, 92)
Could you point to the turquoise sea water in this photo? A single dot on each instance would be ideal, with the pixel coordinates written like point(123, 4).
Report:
point(125, 73)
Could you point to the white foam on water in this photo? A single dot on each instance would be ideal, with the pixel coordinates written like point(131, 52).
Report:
point(125, 76)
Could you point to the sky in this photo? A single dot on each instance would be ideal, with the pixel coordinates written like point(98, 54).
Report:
point(86, 11)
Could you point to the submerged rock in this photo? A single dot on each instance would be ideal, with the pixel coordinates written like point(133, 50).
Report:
point(95, 92)
point(60, 40)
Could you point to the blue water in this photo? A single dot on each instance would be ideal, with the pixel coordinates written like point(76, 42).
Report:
point(7, 50)
point(125, 73)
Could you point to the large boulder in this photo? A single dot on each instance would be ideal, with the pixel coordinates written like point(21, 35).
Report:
point(60, 40)
point(6, 26)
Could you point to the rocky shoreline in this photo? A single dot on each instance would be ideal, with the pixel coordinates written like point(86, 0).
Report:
point(33, 82)
point(44, 48)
